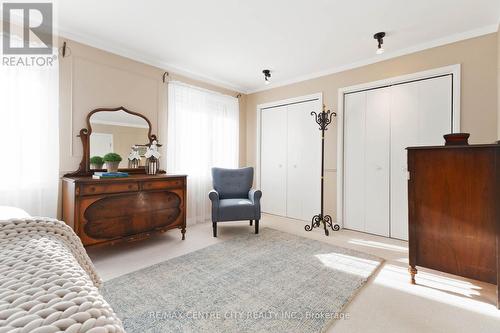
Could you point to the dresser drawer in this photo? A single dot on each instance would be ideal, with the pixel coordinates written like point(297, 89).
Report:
point(109, 188)
point(162, 184)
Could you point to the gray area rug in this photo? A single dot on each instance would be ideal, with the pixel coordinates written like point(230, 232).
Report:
point(271, 282)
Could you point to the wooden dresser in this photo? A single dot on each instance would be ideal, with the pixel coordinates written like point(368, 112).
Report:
point(103, 211)
point(454, 210)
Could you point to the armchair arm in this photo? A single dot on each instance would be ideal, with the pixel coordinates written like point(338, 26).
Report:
point(254, 196)
point(213, 195)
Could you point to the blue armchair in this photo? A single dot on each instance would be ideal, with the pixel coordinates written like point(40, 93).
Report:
point(233, 198)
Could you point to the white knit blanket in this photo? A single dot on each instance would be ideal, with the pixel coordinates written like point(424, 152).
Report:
point(47, 281)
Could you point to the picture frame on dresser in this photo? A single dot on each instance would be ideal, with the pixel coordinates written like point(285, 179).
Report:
point(111, 210)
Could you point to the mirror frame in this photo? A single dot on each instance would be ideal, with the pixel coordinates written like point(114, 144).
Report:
point(84, 167)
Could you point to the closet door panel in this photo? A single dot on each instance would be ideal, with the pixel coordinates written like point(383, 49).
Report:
point(303, 161)
point(377, 166)
point(404, 133)
point(354, 161)
point(421, 113)
point(274, 160)
point(435, 111)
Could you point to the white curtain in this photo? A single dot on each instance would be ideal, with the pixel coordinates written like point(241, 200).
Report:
point(29, 135)
point(203, 132)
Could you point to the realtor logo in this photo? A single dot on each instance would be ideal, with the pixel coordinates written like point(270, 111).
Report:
point(36, 28)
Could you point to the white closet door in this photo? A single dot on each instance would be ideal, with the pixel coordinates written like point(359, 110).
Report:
point(366, 158)
point(421, 112)
point(303, 161)
point(354, 161)
point(435, 111)
point(101, 144)
point(377, 161)
point(274, 160)
point(379, 125)
point(404, 133)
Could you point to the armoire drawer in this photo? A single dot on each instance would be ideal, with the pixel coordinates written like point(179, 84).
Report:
point(109, 188)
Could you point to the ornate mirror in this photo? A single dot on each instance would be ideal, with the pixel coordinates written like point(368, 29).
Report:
point(114, 130)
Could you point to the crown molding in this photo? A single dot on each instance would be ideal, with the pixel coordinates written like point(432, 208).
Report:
point(386, 56)
point(134, 55)
point(115, 48)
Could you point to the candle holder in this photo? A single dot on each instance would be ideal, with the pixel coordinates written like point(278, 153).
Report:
point(323, 119)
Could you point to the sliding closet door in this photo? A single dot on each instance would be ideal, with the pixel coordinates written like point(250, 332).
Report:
point(354, 161)
point(274, 160)
point(377, 168)
point(421, 112)
point(304, 161)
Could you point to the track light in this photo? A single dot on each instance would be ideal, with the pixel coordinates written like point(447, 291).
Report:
point(267, 76)
point(379, 36)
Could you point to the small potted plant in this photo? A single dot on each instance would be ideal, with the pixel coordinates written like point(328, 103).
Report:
point(112, 161)
point(96, 162)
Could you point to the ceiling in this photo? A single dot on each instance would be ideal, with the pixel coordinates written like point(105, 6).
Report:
point(230, 42)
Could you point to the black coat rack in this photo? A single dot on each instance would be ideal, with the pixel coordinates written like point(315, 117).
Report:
point(323, 119)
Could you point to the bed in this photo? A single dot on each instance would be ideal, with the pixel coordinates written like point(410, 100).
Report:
point(47, 282)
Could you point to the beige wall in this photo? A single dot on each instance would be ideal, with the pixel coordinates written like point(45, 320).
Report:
point(478, 57)
point(92, 78)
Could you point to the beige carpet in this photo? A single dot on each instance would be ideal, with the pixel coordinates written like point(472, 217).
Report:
point(272, 282)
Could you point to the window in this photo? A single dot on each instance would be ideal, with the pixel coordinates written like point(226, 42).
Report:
point(203, 132)
point(29, 135)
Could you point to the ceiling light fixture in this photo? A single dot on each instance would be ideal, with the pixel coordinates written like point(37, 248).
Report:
point(379, 36)
point(267, 76)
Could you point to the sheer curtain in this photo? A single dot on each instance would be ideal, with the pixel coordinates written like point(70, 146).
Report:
point(203, 132)
point(29, 134)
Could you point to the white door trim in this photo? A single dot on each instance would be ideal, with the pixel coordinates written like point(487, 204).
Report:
point(454, 70)
point(260, 107)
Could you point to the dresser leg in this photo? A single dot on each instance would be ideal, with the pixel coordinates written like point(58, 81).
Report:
point(183, 231)
point(413, 272)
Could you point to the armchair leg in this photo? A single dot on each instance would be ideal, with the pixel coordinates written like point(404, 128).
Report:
point(214, 227)
point(251, 222)
point(256, 226)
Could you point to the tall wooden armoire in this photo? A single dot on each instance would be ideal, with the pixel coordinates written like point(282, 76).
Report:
point(454, 210)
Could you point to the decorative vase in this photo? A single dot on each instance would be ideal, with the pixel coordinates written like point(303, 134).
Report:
point(94, 166)
point(134, 164)
point(112, 166)
point(455, 139)
point(152, 165)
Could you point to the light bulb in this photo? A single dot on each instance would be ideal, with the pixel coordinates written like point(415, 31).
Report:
point(267, 82)
point(380, 50)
